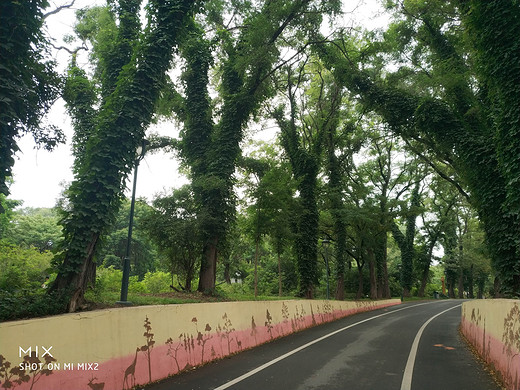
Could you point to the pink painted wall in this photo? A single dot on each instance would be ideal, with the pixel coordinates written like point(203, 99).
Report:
point(125, 347)
point(493, 327)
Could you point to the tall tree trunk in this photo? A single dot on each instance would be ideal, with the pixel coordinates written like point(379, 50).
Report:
point(340, 287)
point(279, 274)
point(359, 293)
point(383, 286)
point(373, 274)
point(461, 273)
point(256, 265)
point(208, 267)
point(227, 273)
point(424, 281)
point(470, 283)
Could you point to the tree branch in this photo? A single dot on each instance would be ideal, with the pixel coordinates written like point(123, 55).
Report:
point(60, 8)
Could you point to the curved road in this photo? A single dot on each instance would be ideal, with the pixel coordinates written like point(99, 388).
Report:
point(410, 346)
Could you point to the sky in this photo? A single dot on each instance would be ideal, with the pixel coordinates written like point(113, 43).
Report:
point(40, 176)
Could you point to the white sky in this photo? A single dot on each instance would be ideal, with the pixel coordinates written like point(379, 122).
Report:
point(38, 174)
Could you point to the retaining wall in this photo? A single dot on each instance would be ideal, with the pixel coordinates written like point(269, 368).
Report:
point(124, 347)
point(493, 327)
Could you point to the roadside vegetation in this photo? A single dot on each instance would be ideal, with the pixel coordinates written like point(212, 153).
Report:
point(394, 169)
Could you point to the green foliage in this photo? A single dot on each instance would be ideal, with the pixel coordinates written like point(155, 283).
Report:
point(30, 303)
point(492, 28)
point(22, 268)
point(157, 282)
point(28, 82)
point(23, 271)
point(143, 253)
point(109, 280)
point(132, 76)
point(173, 227)
point(7, 207)
point(36, 228)
point(433, 100)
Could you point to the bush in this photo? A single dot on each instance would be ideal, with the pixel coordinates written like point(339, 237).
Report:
point(22, 268)
point(29, 303)
point(135, 285)
point(157, 282)
point(108, 279)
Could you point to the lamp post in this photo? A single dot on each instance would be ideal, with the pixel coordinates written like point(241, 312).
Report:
point(325, 244)
point(141, 150)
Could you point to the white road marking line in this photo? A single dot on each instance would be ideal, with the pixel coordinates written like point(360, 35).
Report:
point(408, 371)
point(274, 361)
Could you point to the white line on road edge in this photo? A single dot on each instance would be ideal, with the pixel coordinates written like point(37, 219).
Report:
point(408, 371)
point(274, 361)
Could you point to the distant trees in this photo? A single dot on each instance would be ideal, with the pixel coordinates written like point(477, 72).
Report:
point(174, 228)
point(431, 100)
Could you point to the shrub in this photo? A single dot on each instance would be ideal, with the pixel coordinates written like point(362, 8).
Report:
point(22, 268)
point(135, 285)
point(108, 279)
point(29, 303)
point(157, 282)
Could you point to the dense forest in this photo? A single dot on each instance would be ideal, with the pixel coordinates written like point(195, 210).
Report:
point(396, 163)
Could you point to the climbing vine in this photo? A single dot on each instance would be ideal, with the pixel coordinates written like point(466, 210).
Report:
point(100, 173)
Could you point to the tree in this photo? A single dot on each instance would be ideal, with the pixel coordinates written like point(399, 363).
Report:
point(439, 109)
point(492, 28)
point(211, 142)
point(310, 116)
point(270, 191)
point(441, 204)
point(143, 252)
point(133, 75)
point(28, 82)
point(173, 226)
point(8, 206)
point(406, 241)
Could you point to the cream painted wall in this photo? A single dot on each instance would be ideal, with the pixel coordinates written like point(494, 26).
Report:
point(493, 327)
point(122, 347)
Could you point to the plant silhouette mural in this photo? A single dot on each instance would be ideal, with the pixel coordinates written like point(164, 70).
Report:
point(173, 350)
point(147, 348)
point(511, 340)
point(202, 340)
point(269, 324)
point(16, 375)
point(227, 331)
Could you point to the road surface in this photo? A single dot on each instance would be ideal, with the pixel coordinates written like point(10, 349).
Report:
point(410, 346)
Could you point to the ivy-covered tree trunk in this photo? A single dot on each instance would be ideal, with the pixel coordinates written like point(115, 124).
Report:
point(305, 166)
point(211, 149)
point(336, 204)
point(406, 242)
point(95, 194)
point(463, 135)
point(360, 262)
point(381, 241)
point(372, 273)
point(383, 287)
point(493, 27)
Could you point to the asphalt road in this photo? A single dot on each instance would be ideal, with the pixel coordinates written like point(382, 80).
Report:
point(410, 346)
